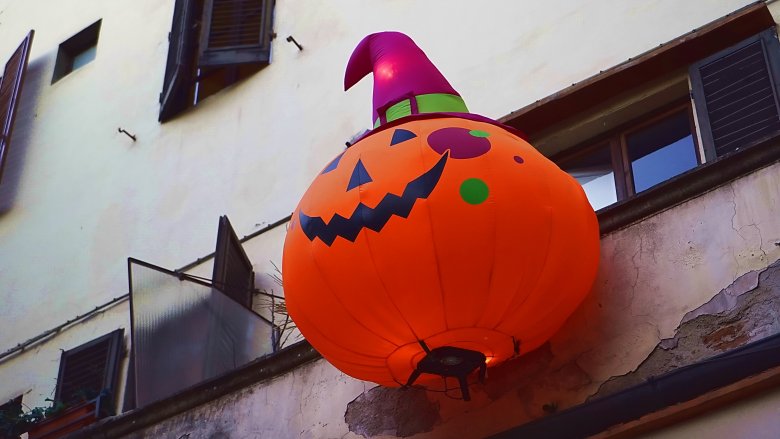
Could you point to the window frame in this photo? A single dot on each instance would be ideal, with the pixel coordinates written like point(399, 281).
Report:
point(658, 116)
point(615, 139)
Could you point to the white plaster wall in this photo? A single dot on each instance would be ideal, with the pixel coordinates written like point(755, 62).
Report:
point(78, 197)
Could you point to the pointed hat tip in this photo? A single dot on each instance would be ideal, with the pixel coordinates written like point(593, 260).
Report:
point(364, 56)
point(401, 69)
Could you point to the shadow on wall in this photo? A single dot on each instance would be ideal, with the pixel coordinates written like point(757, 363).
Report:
point(21, 137)
point(535, 384)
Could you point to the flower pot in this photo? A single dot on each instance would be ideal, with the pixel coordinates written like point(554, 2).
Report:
point(67, 421)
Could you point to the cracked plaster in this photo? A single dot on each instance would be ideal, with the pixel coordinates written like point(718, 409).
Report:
point(745, 311)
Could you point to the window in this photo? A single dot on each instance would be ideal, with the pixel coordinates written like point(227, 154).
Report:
point(736, 96)
point(76, 52)
point(635, 157)
point(10, 90)
point(660, 150)
point(620, 134)
point(213, 44)
point(90, 370)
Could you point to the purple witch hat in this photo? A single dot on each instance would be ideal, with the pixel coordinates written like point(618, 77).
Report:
point(405, 81)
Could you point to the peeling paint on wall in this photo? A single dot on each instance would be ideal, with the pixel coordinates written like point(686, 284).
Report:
point(745, 311)
point(395, 412)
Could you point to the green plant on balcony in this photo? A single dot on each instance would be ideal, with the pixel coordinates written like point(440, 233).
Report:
point(58, 419)
point(15, 422)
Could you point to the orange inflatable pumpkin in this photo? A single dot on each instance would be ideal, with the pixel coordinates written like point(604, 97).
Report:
point(439, 243)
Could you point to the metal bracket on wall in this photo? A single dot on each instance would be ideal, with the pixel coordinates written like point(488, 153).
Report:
point(290, 39)
point(122, 130)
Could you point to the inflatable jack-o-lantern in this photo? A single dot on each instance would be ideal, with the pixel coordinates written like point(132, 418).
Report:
point(438, 244)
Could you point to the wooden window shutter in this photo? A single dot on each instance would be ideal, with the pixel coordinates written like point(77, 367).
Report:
point(736, 94)
point(236, 32)
point(90, 369)
point(233, 273)
point(10, 91)
point(180, 69)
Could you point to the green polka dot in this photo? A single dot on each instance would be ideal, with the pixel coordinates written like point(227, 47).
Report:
point(474, 191)
point(479, 133)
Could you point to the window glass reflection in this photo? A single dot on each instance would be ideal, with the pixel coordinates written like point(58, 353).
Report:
point(660, 151)
point(594, 172)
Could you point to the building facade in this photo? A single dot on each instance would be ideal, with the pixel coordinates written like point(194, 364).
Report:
point(136, 128)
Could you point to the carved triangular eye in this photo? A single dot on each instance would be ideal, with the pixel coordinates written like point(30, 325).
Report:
point(332, 165)
point(359, 176)
point(401, 135)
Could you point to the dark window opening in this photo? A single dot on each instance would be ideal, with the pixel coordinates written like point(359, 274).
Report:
point(213, 44)
point(78, 51)
point(90, 370)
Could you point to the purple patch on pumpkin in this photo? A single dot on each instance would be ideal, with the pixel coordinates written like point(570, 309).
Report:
point(460, 143)
point(519, 159)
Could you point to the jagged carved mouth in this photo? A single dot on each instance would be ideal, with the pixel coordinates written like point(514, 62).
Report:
point(374, 218)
